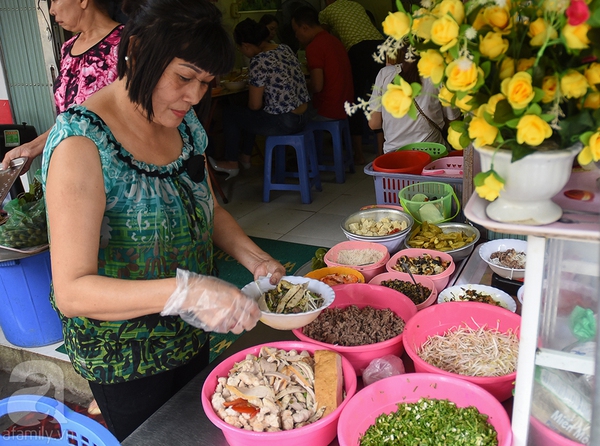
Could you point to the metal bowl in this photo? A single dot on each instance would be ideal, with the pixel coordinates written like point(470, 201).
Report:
point(392, 241)
point(460, 253)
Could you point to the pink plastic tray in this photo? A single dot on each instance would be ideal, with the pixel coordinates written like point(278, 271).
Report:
point(449, 166)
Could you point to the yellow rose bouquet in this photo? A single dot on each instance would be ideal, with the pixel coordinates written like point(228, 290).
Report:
point(524, 73)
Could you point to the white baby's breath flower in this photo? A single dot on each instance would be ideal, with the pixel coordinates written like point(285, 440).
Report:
point(471, 33)
point(426, 4)
point(501, 3)
point(464, 63)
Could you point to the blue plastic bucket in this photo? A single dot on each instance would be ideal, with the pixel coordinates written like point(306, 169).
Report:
point(26, 316)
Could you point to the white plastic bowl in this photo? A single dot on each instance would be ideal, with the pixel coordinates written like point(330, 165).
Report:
point(235, 85)
point(486, 250)
point(289, 321)
point(453, 294)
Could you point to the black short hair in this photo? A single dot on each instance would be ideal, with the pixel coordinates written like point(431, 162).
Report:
point(306, 15)
point(161, 30)
point(268, 18)
point(250, 31)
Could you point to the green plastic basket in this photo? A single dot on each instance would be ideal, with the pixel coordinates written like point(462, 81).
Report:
point(433, 148)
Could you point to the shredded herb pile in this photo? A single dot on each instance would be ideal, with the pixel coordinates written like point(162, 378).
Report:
point(431, 422)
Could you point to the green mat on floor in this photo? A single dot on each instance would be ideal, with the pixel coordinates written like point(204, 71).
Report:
point(291, 255)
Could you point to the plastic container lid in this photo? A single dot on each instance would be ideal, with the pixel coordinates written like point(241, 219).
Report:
point(449, 166)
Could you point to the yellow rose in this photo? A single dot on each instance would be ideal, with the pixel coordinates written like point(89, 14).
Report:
point(491, 186)
point(445, 96)
point(525, 64)
point(396, 25)
point(573, 84)
point(497, 17)
point(540, 31)
point(507, 68)
point(421, 26)
point(480, 131)
point(454, 7)
point(591, 152)
point(532, 130)
point(397, 99)
point(492, 45)
point(518, 90)
point(444, 32)
point(549, 85)
point(592, 101)
point(480, 21)
point(592, 74)
point(490, 107)
point(463, 103)
point(462, 75)
point(576, 36)
point(454, 139)
point(431, 65)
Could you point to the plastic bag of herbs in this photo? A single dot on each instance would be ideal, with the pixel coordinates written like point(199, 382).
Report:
point(25, 226)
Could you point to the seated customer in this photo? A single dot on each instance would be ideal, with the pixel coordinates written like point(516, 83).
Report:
point(432, 117)
point(328, 63)
point(277, 99)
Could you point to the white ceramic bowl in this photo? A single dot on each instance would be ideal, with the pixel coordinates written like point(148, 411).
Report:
point(486, 250)
point(234, 85)
point(454, 293)
point(520, 292)
point(289, 321)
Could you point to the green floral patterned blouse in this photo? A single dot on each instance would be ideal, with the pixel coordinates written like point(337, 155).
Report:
point(157, 219)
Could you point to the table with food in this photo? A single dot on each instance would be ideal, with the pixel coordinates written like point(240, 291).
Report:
point(373, 339)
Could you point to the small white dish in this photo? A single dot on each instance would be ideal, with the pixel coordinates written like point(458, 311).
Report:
point(455, 294)
point(520, 292)
point(256, 288)
point(486, 250)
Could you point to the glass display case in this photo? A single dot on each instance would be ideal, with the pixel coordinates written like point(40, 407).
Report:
point(556, 365)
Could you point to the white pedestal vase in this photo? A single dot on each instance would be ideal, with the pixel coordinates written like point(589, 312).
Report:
point(530, 184)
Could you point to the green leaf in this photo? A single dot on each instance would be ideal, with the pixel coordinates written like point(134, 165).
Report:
point(464, 140)
point(513, 123)
point(504, 112)
point(585, 138)
point(454, 52)
point(520, 151)
point(534, 109)
point(400, 6)
point(412, 111)
point(547, 117)
point(416, 88)
point(479, 179)
point(459, 126)
point(486, 67)
point(397, 80)
point(539, 94)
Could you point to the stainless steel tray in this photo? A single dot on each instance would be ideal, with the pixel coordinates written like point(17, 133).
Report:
point(10, 175)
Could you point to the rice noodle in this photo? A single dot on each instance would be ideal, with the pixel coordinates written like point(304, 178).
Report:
point(356, 257)
point(472, 352)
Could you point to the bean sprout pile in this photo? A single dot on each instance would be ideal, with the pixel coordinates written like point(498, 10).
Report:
point(472, 352)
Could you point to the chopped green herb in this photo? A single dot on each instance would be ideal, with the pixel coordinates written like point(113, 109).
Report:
point(431, 422)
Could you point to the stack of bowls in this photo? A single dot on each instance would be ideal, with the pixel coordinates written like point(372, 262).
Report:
point(392, 242)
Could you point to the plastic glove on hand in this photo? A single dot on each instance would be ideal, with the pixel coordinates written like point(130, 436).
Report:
point(211, 304)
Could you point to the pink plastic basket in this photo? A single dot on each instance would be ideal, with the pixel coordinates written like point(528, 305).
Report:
point(387, 185)
point(449, 166)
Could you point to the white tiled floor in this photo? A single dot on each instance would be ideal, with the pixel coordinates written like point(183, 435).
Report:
point(286, 218)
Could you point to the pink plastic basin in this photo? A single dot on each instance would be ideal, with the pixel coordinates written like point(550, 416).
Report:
point(368, 271)
point(439, 280)
point(383, 396)
point(423, 280)
point(376, 296)
point(438, 319)
point(319, 433)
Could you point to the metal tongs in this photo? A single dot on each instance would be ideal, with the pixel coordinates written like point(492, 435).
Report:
point(406, 269)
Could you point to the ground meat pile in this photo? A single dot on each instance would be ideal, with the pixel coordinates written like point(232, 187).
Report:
point(509, 258)
point(353, 326)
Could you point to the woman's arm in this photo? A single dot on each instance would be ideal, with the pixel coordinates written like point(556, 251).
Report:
point(375, 121)
point(255, 97)
point(75, 201)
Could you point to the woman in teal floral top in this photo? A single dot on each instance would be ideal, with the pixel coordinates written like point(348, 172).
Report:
point(133, 221)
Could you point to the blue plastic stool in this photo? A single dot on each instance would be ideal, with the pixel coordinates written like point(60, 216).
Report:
point(76, 429)
point(308, 169)
point(340, 134)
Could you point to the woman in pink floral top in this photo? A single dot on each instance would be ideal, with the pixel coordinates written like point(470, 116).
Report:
point(89, 61)
point(83, 74)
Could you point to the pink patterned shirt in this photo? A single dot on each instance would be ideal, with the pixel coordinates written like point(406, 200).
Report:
point(82, 75)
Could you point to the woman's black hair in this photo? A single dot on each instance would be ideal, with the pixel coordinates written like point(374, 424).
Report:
point(159, 31)
point(267, 19)
point(250, 31)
